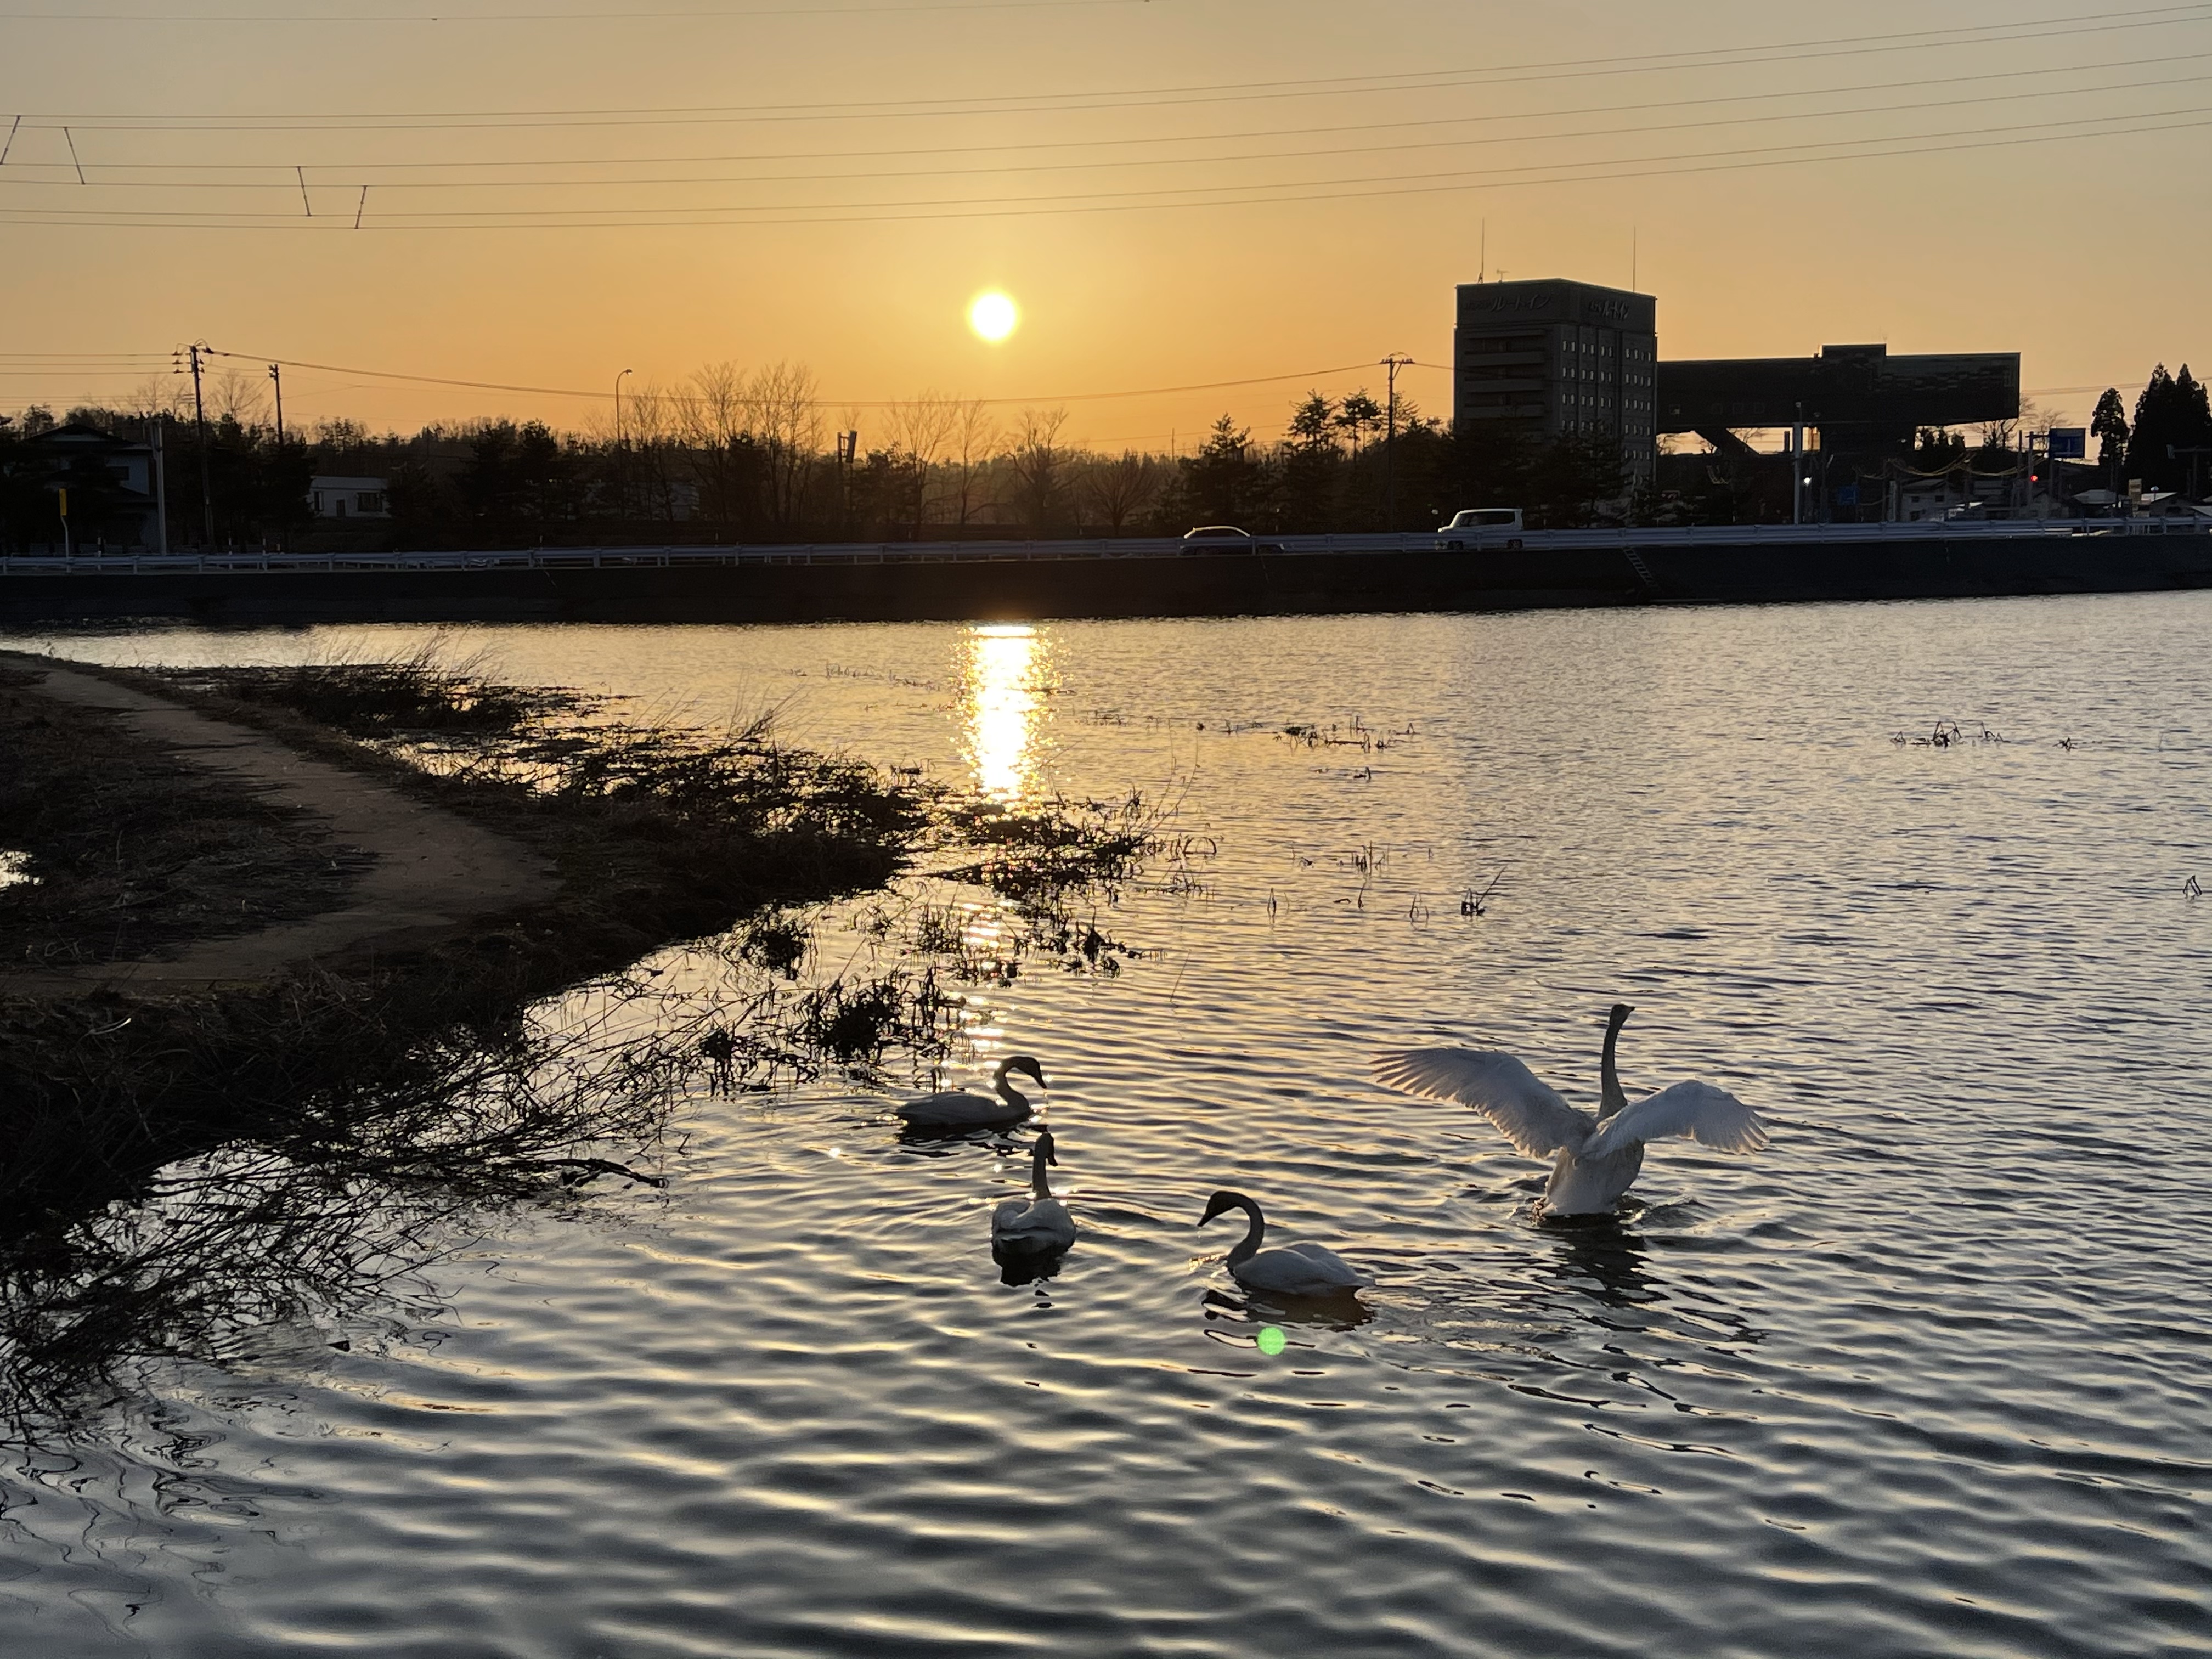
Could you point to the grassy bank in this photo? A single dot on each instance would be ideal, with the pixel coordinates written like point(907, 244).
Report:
point(176, 1169)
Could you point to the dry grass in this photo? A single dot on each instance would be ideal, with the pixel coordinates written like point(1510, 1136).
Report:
point(132, 852)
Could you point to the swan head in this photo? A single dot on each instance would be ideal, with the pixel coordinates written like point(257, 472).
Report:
point(1044, 1147)
point(1023, 1063)
point(1221, 1203)
point(1619, 1016)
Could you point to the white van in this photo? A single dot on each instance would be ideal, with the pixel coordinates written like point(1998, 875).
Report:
point(1478, 527)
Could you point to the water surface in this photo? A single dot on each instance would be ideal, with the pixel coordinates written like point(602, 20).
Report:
point(1927, 1376)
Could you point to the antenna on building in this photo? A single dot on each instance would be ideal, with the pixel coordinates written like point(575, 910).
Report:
point(1482, 265)
point(1631, 259)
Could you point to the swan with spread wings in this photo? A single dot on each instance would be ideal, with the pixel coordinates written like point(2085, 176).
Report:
point(1595, 1159)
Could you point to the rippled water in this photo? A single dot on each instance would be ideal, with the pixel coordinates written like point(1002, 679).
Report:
point(1928, 1376)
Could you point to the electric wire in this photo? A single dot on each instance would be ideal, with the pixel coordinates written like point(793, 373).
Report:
point(1216, 195)
point(1302, 130)
point(1153, 98)
point(69, 181)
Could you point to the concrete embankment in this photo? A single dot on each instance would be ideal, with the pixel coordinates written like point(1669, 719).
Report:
point(1187, 586)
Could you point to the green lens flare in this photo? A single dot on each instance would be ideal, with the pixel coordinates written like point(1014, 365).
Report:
point(1270, 1340)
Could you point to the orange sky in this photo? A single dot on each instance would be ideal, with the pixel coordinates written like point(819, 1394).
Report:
point(863, 169)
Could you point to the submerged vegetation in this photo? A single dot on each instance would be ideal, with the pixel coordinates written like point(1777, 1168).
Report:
point(183, 1171)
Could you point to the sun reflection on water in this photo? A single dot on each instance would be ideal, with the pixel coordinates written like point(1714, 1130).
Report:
point(1002, 686)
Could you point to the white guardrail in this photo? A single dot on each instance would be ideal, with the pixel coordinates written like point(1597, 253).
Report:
point(1154, 547)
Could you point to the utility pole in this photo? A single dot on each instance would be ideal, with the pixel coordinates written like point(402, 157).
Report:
point(160, 483)
point(199, 424)
point(1797, 469)
point(276, 380)
point(1391, 365)
point(621, 455)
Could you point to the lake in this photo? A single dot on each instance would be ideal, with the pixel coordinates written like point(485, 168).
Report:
point(1930, 1374)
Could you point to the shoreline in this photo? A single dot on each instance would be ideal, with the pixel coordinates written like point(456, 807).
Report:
point(429, 872)
point(1250, 583)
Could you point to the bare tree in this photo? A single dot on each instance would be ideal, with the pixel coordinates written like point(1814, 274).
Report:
point(973, 440)
point(786, 417)
point(1039, 463)
point(237, 396)
point(1120, 487)
point(921, 430)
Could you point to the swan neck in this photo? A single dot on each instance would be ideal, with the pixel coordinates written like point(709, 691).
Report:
point(1013, 1096)
point(1609, 1089)
point(1251, 1246)
point(1039, 1184)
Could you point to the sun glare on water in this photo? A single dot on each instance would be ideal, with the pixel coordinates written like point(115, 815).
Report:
point(993, 315)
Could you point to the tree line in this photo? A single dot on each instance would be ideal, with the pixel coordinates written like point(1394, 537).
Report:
point(732, 456)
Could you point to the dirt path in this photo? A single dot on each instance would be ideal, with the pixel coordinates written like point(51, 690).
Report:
point(432, 871)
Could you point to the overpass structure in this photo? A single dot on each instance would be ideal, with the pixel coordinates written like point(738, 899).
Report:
point(1863, 399)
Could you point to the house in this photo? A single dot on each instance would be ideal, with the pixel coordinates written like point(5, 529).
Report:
point(350, 498)
point(107, 483)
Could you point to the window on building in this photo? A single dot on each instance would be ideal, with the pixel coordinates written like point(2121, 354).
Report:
point(369, 500)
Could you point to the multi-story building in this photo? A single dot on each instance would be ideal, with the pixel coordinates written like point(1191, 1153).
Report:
point(1552, 358)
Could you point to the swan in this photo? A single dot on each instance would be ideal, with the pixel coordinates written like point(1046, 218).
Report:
point(1041, 1225)
point(965, 1108)
point(1598, 1157)
point(1294, 1270)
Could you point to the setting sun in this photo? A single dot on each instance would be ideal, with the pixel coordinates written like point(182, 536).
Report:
point(993, 315)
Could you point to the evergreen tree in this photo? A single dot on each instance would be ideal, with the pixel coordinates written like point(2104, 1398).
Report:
point(2109, 426)
point(1224, 485)
point(1311, 462)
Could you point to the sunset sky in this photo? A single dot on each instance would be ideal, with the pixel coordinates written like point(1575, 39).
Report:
point(1172, 191)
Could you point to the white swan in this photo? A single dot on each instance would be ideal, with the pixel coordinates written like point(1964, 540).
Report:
point(965, 1108)
point(1294, 1270)
point(1040, 1226)
point(1598, 1157)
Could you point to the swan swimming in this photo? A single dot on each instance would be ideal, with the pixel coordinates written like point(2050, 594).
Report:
point(965, 1108)
point(1294, 1270)
point(1598, 1157)
point(1041, 1225)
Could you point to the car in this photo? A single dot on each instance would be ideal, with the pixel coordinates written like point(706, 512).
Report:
point(1477, 527)
point(1221, 538)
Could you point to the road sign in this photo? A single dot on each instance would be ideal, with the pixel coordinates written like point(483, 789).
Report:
point(2068, 443)
point(1847, 495)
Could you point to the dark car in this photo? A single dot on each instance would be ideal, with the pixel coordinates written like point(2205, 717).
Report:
point(1222, 539)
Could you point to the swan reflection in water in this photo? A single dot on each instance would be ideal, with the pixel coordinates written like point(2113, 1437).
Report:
point(1329, 1313)
point(1599, 1256)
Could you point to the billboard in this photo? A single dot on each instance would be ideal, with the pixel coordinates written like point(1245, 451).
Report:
point(2069, 443)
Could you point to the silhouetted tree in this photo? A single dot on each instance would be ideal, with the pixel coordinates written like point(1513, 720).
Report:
point(2170, 415)
point(1223, 482)
point(2109, 425)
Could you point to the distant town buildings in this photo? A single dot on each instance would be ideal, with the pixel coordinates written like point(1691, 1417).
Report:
point(101, 488)
point(1557, 358)
point(350, 498)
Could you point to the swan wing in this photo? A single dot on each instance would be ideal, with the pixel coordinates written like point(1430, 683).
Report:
point(958, 1106)
point(1699, 1111)
point(1529, 1111)
point(1045, 1224)
point(1300, 1270)
point(1331, 1265)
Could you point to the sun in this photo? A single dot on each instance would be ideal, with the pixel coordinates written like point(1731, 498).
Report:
point(994, 315)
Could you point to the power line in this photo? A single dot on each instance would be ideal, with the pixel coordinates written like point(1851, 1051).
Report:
point(1304, 130)
point(715, 15)
point(1218, 196)
point(1979, 35)
point(824, 403)
point(1160, 161)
